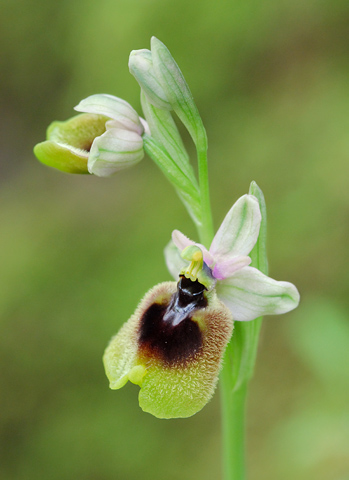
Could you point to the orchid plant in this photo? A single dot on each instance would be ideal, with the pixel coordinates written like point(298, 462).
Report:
point(205, 323)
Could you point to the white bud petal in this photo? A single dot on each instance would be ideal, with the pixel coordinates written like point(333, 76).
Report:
point(141, 67)
point(115, 150)
point(114, 108)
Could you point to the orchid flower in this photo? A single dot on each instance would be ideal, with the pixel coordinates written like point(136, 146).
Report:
point(173, 345)
point(246, 291)
point(106, 138)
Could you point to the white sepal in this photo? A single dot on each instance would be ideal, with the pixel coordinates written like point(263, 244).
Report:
point(115, 150)
point(249, 294)
point(239, 230)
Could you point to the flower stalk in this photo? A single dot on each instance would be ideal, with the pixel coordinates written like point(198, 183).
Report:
point(205, 230)
point(233, 400)
point(238, 367)
point(233, 405)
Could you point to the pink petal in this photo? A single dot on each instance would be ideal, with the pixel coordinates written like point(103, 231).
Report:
point(181, 242)
point(225, 267)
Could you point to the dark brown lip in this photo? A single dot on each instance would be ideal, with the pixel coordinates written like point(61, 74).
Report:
point(167, 330)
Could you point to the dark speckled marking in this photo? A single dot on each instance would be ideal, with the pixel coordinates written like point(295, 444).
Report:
point(167, 331)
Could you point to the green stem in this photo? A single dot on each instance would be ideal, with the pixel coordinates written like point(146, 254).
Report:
point(205, 230)
point(233, 401)
point(233, 427)
point(241, 352)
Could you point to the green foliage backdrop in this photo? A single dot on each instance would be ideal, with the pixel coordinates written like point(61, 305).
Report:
point(77, 253)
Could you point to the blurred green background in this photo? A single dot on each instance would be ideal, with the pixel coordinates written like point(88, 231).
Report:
point(271, 82)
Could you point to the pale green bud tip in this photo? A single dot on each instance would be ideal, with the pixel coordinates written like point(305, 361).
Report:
point(255, 190)
point(141, 67)
point(68, 143)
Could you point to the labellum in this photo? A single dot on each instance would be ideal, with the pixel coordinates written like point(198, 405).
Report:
point(172, 347)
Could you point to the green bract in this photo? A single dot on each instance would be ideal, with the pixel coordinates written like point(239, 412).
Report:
point(166, 148)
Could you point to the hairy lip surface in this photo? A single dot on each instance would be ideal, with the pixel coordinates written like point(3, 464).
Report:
point(167, 331)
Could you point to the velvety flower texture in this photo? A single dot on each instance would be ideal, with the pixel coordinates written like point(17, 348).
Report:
point(173, 345)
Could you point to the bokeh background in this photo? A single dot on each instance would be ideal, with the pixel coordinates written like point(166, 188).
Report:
point(77, 253)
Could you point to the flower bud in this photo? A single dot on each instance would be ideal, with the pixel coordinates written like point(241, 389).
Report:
point(141, 67)
point(172, 347)
point(105, 139)
point(68, 143)
point(166, 88)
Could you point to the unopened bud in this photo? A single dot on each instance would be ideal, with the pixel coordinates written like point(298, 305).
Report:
point(141, 67)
